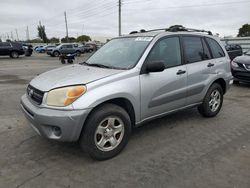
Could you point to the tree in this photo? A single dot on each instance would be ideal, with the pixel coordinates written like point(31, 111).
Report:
point(42, 33)
point(54, 40)
point(70, 39)
point(244, 31)
point(83, 38)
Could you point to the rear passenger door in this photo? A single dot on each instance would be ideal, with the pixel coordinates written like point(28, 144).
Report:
point(218, 55)
point(198, 61)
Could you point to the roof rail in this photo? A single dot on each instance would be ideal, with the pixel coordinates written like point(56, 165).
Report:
point(174, 28)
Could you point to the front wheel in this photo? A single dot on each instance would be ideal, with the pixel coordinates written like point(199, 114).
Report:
point(212, 101)
point(106, 132)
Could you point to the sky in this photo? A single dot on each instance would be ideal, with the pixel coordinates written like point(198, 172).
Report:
point(100, 17)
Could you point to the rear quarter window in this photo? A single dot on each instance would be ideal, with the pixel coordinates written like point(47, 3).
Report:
point(216, 49)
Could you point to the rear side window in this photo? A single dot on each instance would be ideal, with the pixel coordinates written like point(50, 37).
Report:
point(5, 44)
point(193, 49)
point(167, 51)
point(216, 49)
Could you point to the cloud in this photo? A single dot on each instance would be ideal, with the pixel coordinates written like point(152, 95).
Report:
point(100, 17)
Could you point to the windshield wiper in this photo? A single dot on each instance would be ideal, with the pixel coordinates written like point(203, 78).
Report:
point(83, 63)
point(101, 65)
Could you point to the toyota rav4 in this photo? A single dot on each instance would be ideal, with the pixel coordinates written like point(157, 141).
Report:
point(132, 79)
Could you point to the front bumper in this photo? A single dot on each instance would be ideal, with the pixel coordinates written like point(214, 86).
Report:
point(241, 75)
point(63, 125)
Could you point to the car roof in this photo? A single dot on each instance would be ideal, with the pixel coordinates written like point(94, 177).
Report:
point(164, 33)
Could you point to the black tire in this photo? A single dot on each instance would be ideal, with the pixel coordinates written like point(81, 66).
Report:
point(70, 61)
point(87, 140)
point(236, 82)
point(204, 108)
point(56, 54)
point(14, 54)
point(78, 53)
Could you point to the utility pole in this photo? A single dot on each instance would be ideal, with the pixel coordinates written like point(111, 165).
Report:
point(119, 17)
point(82, 28)
point(66, 24)
point(11, 36)
point(17, 35)
point(27, 33)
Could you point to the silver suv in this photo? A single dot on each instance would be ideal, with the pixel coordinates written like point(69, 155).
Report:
point(130, 80)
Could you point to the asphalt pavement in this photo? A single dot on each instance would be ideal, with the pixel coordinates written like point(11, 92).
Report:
point(179, 150)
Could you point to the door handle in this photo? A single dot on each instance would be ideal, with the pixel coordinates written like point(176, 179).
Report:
point(210, 65)
point(181, 72)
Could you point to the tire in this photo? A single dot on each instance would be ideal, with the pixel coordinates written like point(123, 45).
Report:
point(56, 54)
point(78, 53)
point(214, 95)
point(14, 54)
point(104, 119)
point(236, 82)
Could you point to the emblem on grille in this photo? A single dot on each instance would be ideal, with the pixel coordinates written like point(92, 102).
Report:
point(31, 92)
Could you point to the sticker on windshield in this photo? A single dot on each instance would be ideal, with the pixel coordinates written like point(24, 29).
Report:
point(143, 38)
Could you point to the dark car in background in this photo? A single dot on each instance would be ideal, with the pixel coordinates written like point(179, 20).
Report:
point(233, 50)
point(66, 49)
point(12, 49)
point(241, 68)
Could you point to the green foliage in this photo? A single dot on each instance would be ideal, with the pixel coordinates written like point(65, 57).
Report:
point(83, 38)
point(244, 31)
point(70, 39)
point(37, 40)
point(54, 40)
point(42, 33)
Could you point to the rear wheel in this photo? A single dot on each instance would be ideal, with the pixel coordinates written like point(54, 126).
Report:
point(212, 101)
point(56, 53)
point(14, 54)
point(106, 132)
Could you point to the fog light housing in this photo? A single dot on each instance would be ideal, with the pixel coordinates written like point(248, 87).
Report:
point(56, 131)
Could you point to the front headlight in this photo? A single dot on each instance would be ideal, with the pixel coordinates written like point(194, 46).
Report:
point(65, 96)
point(234, 64)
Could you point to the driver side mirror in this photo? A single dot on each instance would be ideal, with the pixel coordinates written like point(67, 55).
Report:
point(155, 67)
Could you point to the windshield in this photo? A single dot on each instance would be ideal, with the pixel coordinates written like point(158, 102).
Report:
point(120, 53)
point(247, 52)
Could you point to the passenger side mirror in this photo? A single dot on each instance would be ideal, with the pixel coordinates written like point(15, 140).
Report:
point(155, 67)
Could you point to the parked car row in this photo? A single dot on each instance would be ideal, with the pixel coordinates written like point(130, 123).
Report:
point(66, 48)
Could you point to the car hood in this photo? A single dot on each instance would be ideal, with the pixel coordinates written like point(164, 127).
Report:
point(70, 75)
point(245, 59)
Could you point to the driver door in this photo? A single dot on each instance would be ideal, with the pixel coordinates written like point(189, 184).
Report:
point(165, 91)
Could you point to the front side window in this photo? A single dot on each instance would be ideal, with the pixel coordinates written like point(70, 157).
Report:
point(216, 50)
point(193, 49)
point(167, 51)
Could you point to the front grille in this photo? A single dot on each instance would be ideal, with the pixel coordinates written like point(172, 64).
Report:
point(242, 75)
point(35, 94)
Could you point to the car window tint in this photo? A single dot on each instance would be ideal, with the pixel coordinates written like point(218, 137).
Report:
point(68, 46)
point(193, 49)
point(206, 53)
point(166, 51)
point(215, 48)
